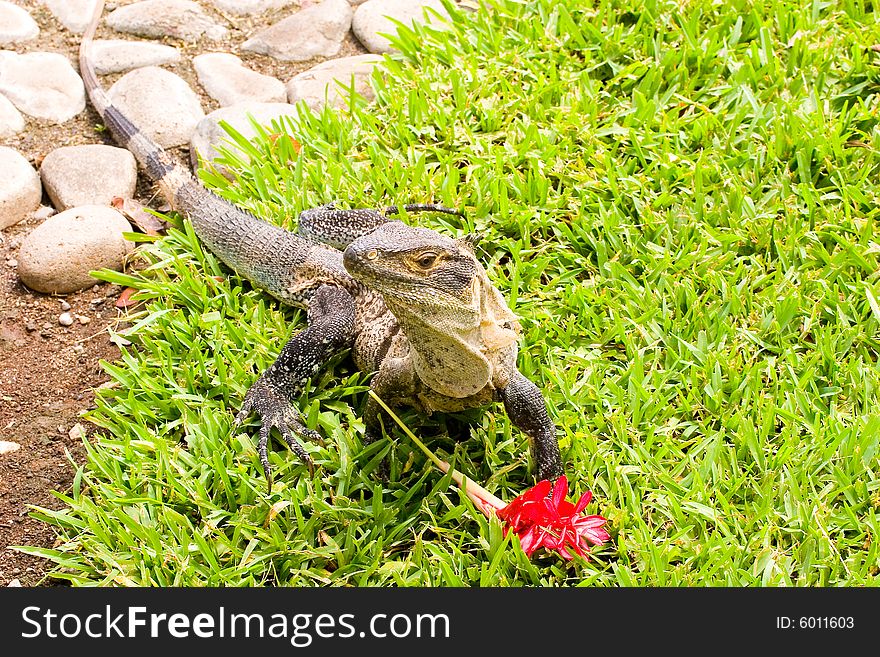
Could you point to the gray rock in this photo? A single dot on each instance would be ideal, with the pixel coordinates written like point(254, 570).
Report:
point(16, 24)
point(88, 175)
point(57, 256)
point(42, 84)
point(250, 7)
point(316, 31)
point(117, 55)
point(182, 19)
point(11, 120)
point(209, 134)
point(20, 189)
point(229, 82)
point(7, 447)
point(72, 14)
point(160, 103)
point(321, 84)
point(374, 17)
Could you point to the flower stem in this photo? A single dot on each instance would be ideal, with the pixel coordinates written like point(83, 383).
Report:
point(473, 490)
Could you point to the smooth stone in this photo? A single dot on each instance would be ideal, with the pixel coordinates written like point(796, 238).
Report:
point(72, 14)
point(42, 84)
point(11, 120)
point(182, 19)
point(160, 103)
point(57, 256)
point(375, 17)
point(88, 175)
point(20, 189)
point(250, 7)
point(7, 447)
point(208, 134)
point(16, 24)
point(328, 82)
point(118, 55)
point(316, 31)
point(228, 81)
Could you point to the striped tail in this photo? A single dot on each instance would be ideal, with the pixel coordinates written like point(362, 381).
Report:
point(159, 166)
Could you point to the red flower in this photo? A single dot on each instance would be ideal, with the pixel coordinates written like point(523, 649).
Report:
point(542, 518)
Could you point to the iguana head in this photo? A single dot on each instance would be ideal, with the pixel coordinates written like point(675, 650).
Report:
point(415, 267)
point(457, 323)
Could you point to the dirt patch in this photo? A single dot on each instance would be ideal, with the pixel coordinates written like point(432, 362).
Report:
point(48, 372)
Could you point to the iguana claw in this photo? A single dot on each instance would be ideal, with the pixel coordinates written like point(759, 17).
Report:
point(276, 411)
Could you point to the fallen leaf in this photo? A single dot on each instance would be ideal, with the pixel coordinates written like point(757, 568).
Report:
point(136, 213)
point(124, 300)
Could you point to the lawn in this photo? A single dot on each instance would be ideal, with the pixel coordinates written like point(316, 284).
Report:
point(678, 199)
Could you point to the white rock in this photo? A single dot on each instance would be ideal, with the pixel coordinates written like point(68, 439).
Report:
point(11, 120)
point(72, 14)
point(57, 256)
point(209, 134)
point(65, 319)
point(229, 82)
point(42, 84)
point(182, 19)
point(16, 24)
point(7, 446)
point(14, 584)
point(249, 7)
point(160, 103)
point(118, 55)
point(329, 81)
point(375, 16)
point(88, 175)
point(316, 31)
point(20, 189)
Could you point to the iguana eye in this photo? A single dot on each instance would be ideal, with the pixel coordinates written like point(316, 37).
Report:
point(426, 260)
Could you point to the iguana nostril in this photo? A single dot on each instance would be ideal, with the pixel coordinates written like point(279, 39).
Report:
point(372, 254)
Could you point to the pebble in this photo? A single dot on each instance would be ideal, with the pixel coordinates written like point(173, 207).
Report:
point(12, 263)
point(65, 306)
point(374, 17)
point(250, 7)
point(119, 55)
point(320, 84)
point(228, 81)
point(11, 120)
point(72, 14)
point(7, 446)
point(209, 134)
point(316, 31)
point(57, 256)
point(82, 319)
point(42, 84)
point(181, 19)
point(14, 584)
point(20, 188)
point(16, 24)
point(65, 319)
point(160, 103)
point(88, 175)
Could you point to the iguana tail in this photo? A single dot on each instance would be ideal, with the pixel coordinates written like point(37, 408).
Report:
point(269, 256)
point(159, 166)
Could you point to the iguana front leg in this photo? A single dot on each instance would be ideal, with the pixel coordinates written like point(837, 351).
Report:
point(526, 409)
point(331, 314)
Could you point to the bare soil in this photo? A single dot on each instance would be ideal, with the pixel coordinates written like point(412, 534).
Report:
point(48, 372)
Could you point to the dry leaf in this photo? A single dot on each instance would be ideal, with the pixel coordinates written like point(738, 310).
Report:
point(136, 213)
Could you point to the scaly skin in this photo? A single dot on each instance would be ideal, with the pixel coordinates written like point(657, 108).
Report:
point(415, 307)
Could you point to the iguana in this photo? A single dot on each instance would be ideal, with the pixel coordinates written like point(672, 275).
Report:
point(415, 307)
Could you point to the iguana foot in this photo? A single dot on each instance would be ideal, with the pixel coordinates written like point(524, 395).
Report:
point(275, 410)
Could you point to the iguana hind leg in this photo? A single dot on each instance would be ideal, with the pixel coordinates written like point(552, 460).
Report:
point(526, 409)
point(331, 313)
point(339, 228)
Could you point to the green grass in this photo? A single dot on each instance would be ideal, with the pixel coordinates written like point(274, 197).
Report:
point(680, 201)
